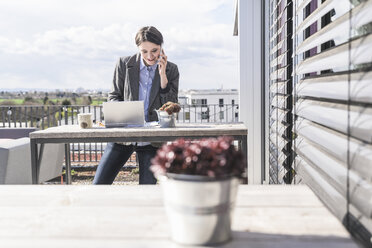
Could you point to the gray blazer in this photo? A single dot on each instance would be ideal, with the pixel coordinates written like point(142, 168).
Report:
point(125, 85)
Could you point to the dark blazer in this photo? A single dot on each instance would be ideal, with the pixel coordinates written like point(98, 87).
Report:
point(125, 85)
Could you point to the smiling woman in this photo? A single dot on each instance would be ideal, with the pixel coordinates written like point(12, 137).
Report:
point(147, 76)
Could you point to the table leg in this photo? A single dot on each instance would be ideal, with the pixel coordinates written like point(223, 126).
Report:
point(245, 150)
point(68, 163)
point(34, 161)
point(41, 150)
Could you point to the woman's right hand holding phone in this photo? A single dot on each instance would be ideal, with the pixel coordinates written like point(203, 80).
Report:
point(162, 64)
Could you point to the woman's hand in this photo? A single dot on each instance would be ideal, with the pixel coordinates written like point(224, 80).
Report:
point(162, 66)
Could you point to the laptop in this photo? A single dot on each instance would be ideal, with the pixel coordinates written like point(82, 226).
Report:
point(124, 114)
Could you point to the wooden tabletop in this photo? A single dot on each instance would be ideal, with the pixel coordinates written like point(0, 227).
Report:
point(133, 216)
point(74, 134)
point(182, 129)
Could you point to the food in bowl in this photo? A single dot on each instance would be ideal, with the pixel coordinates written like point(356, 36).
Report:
point(170, 107)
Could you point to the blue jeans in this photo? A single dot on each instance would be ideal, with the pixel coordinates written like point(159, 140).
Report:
point(116, 155)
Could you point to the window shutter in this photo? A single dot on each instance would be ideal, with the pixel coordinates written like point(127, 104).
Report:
point(332, 108)
point(280, 99)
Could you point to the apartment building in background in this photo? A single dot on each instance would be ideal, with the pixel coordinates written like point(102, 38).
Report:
point(209, 105)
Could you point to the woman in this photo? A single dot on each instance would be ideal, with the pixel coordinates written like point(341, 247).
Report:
point(146, 76)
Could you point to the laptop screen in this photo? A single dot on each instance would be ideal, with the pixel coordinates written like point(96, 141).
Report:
point(124, 114)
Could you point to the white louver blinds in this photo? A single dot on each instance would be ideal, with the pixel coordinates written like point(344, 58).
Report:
point(332, 79)
point(280, 150)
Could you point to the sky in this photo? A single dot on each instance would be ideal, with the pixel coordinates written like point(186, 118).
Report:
point(69, 44)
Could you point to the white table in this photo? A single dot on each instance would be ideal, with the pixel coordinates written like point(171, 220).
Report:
point(73, 134)
point(133, 216)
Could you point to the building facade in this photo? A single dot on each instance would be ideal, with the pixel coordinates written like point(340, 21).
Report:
point(212, 105)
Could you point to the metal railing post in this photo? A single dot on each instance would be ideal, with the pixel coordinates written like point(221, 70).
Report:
point(66, 114)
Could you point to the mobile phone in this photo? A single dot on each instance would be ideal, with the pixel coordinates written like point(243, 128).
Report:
point(161, 51)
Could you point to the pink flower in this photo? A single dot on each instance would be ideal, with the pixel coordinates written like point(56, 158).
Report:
point(206, 157)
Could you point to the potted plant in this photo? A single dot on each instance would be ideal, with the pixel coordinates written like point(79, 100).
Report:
point(200, 180)
point(167, 114)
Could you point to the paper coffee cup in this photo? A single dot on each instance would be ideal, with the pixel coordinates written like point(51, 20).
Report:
point(85, 120)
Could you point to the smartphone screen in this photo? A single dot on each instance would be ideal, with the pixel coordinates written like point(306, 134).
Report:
point(161, 51)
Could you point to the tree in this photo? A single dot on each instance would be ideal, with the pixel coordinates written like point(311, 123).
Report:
point(28, 99)
point(87, 100)
point(45, 100)
point(66, 102)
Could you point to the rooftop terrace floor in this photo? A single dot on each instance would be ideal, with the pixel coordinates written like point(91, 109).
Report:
point(133, 216)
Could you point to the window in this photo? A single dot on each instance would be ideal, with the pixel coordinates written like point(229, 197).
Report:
point(221, 102)
point(221, 115)
point(205, 115)
point(187, 116)
point(199, 102)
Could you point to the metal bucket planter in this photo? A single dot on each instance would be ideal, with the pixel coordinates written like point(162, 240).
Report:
point(165, 119)
point(199, 208)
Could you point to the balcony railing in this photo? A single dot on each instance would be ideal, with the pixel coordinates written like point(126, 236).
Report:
point(44, 116)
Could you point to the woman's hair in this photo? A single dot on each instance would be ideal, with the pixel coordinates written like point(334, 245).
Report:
point(150, 34)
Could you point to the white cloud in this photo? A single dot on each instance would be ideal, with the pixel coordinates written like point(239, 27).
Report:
point(206, 74)
point(18, 81)
point(90, 42)
point(77, 41)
